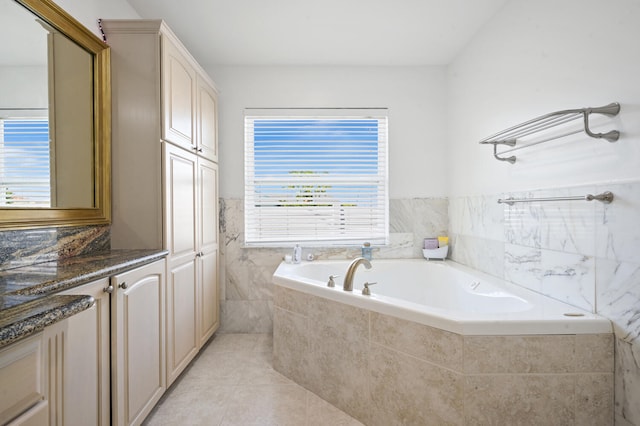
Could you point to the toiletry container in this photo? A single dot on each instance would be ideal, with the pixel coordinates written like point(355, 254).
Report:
point(297, 254)
point(367, 251)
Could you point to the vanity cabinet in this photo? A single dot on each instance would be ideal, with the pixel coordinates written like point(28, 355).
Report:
point(24, 370)
point(165, 174)
point(114, 352)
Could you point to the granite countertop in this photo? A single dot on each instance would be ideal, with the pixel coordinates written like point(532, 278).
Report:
point(28, 299)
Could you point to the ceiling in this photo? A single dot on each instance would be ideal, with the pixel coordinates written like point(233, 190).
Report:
point(323, 32)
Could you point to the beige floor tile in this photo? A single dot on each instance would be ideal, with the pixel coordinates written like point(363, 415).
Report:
point(232, 383)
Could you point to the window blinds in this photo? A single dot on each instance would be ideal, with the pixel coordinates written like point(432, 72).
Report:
point(316, 178)
point(24, 163)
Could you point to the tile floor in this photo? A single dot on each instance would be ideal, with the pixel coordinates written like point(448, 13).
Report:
point(232, 383)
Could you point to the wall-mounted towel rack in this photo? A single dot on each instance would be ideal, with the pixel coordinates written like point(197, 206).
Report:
point(606, 197)
point(512, 135)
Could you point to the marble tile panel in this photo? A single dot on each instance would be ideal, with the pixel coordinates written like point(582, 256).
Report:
point(246, 316)
point(523, 266)
point(522, 222)
point(618, 296)
point(627, 382)
point(594, 353)
point(338, 370)
point(427, 343)
point(569, 278)
point(401, 246)
point(594, 399)
point(406, 390)
point(291, 345)
point(481, 254)
point(508, 399)
point(422, 217)
point(617, 233)
point(338, 319)
point(478, 216)
point(519, 354)
point(291, 300)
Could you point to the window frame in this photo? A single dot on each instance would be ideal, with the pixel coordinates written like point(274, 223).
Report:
point(379, 208)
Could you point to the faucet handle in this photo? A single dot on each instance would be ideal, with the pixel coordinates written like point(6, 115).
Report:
point(331, 282)
point(365, 290)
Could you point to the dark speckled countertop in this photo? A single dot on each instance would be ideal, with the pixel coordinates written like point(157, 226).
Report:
point(28, 299)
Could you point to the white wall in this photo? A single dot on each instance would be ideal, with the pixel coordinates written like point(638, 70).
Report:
point(415, 98)
point(89, 11)
point(533, 58)
point(24, 87)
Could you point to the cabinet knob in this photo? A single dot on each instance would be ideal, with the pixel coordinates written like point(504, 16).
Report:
point(199, 149)
point(123, 286)
point(108, 289)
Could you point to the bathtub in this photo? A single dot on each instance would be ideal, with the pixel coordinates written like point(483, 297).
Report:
point(444, 295)
point(440, 344)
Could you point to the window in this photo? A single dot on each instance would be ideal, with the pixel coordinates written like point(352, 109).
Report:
point(316, 177)
point(24, 163)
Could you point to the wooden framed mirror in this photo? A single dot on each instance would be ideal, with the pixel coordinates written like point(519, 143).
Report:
point(76, 111)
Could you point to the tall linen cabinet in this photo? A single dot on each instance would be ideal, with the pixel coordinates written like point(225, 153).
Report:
point(165, 174)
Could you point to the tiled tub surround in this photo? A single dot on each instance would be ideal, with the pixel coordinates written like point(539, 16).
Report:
point(384, 370)
point(583, 253)
point(28, 299)
point(247, 290)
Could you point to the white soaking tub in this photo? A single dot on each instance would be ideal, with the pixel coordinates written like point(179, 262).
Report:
point(444, 295)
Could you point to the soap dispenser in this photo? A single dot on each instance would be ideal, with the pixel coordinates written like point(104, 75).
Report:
point(297, 254)
point(367, 251)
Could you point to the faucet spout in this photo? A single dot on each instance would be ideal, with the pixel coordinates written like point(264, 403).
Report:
point(351, 271)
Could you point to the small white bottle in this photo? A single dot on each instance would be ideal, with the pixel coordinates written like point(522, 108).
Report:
point(297, 254)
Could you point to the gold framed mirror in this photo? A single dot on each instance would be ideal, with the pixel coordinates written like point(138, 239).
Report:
point(72, 135)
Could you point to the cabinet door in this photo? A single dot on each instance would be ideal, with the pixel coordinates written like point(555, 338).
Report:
point(137, 343)
point(209, 315)
point(207, 120)
point(178, 96)
point(86, 387)
point(180, 180)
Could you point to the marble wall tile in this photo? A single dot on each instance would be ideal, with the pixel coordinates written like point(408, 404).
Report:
point(627, 383)
point(618, 296)
point(291, 345)
point(617, 233)
point(246, 272)
point(480, 216)
point(570, 278)
point(594, 400)
point(510, 399)
point(409, 391)
point(427, 343)
point(519, 354)
point(523, 266)
point(481, 254)
point(594, 353)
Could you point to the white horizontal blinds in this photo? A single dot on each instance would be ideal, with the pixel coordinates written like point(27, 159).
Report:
point(24, 163)
point(314, 179)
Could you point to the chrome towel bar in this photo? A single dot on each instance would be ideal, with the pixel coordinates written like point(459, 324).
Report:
point(605, 197)
point(513, 135)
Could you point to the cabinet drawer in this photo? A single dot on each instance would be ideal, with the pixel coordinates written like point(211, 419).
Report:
point(21, 377)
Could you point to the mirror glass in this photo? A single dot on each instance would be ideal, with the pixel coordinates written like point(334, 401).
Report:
point(46, 115)
point(55, 119)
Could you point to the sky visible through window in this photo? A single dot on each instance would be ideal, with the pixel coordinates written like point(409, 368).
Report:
point(321, 150)
point(25, 162)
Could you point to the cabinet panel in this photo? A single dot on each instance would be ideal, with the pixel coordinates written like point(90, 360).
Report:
point(22, 377)
point(209, 295)
point(182, 334)
point(208, 205)
point(37, 415)
point(180, 199)
point(207, 122)
point(179, 82)
point(138, 351)
point(86, 379)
